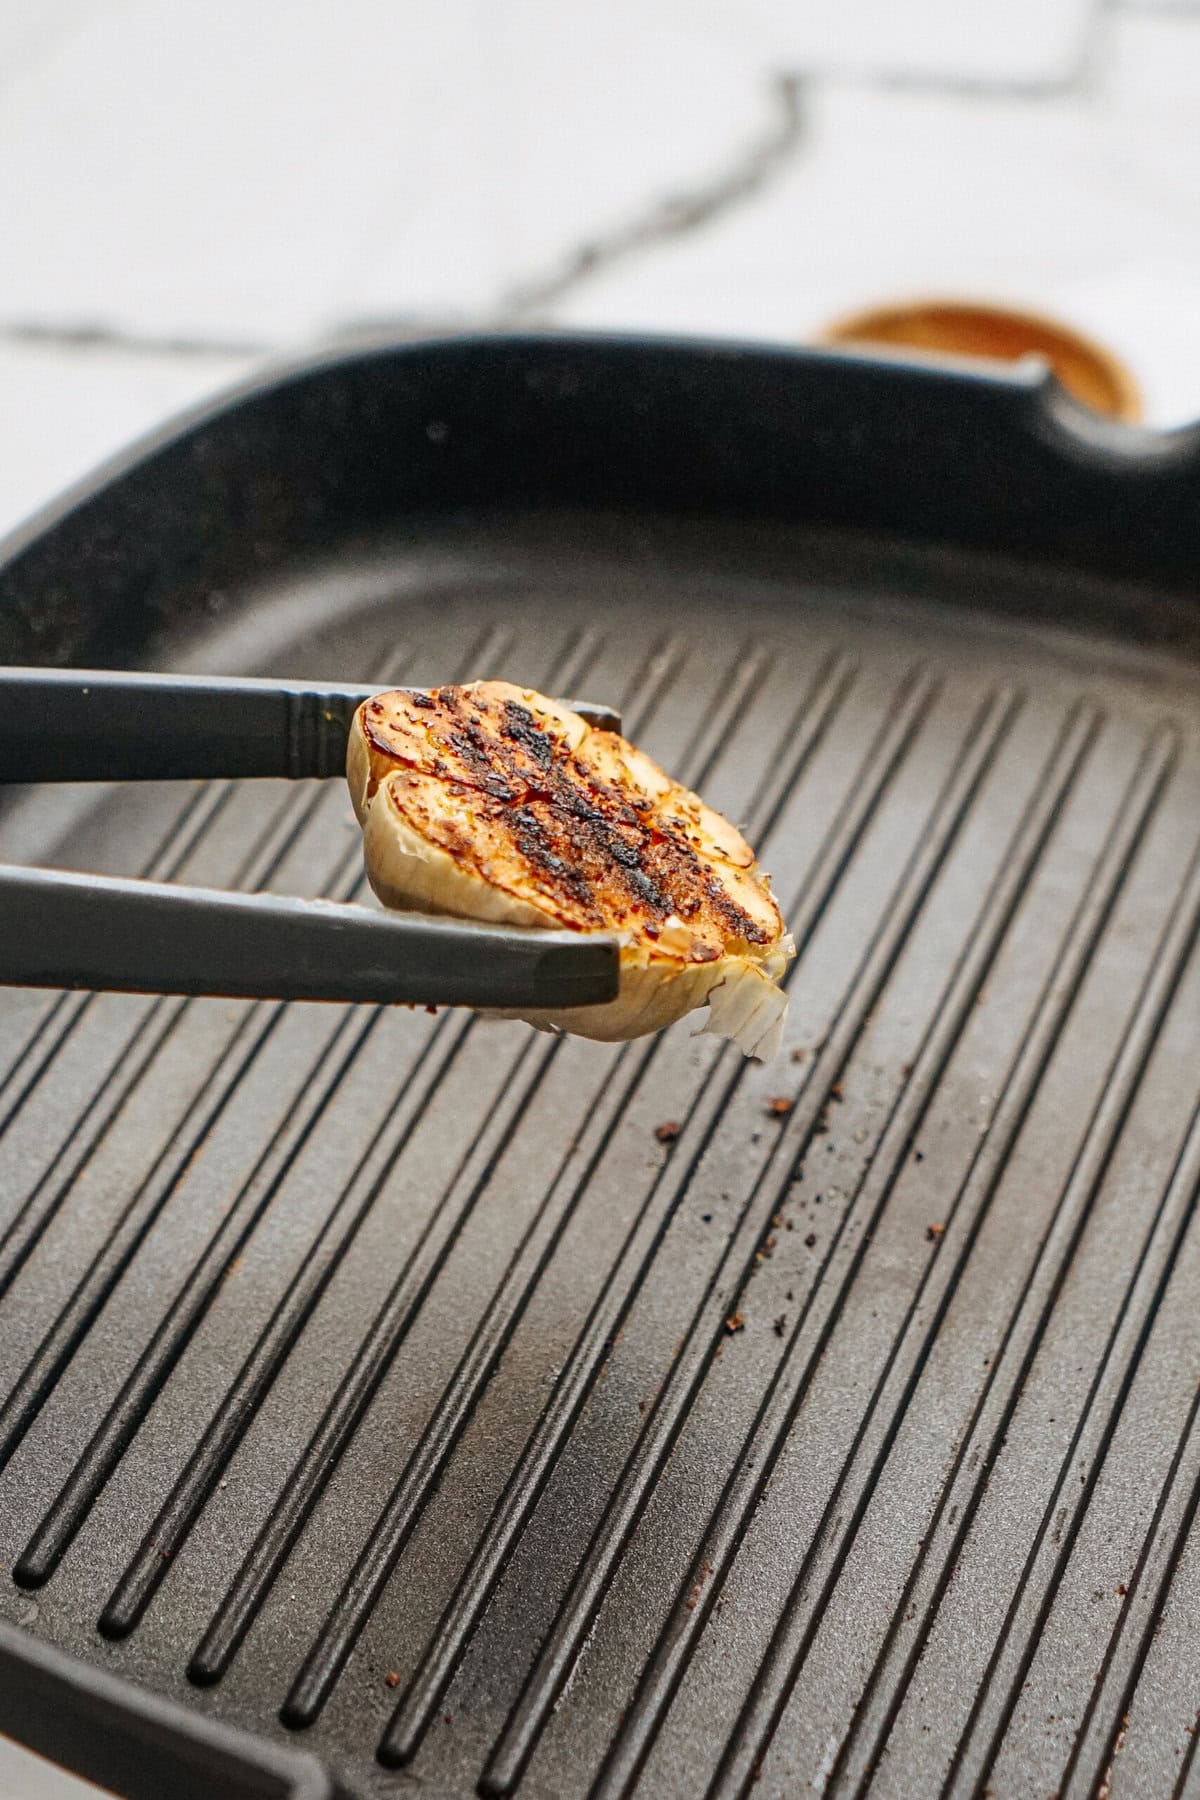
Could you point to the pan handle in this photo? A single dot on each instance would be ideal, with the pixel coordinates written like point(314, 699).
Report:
point(135, 1743)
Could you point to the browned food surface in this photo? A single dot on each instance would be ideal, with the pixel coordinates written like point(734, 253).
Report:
point(517, 790)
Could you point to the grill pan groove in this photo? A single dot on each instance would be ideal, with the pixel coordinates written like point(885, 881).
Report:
point(1163, 1246)
point(1069, 1216)
point(1182, 1485)
point(144, 1573)
point(785, 1394)
point(961, 1219)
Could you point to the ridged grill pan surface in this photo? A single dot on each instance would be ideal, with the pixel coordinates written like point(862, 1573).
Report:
point(479, 1409)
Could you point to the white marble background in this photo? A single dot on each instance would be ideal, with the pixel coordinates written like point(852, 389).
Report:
point(188, 187)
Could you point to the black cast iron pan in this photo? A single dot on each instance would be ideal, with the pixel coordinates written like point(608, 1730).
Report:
point(400, 1401)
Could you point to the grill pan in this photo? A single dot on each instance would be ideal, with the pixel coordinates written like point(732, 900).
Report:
point(394, 1402)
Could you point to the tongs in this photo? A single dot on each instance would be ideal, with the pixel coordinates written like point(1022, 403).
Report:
point(101, 932)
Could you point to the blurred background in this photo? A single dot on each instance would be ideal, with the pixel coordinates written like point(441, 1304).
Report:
point(191, 187)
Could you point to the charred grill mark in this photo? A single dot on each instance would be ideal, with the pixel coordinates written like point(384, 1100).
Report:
point(536, 844)
point(520, 724)
point(505, 751)
point(646, 891)
point(475, 750)
point(739, 923)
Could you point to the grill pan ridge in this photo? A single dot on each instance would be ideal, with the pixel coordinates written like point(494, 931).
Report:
point(385, 1402)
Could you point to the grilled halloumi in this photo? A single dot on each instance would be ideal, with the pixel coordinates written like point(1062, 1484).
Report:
point(490, 801)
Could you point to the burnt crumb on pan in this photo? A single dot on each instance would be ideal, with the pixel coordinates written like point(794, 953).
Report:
point(697, 1587)
point(392, 1678)
point(735, 1322)
point(779, 1325)
point(810, 1240)
point(934, 1232)
point(668, 1131)
point(832, 1099)
point(779, 1106)
point(799, 1055)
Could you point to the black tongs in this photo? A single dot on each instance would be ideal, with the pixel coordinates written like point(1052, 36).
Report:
point(100, 932)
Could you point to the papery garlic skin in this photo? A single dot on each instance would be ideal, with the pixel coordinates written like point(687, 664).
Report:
point(492, 802)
